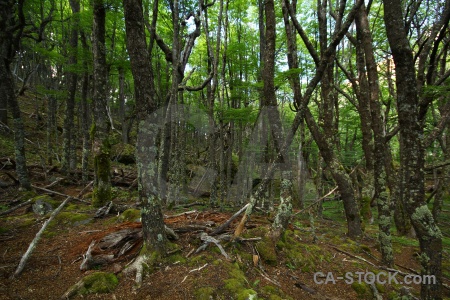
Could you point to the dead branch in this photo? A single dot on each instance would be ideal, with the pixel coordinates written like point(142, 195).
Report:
point(209, 239)
point(15, 207)
point(85, 188)
point(36, 239)
point(225, 225)
point(59, 179)
point(181, 214)
point(58, 193)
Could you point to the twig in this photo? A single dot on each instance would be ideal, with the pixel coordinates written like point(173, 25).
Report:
point(36, 239)
point(190, 252)
point(199, 268)
point(15, 207)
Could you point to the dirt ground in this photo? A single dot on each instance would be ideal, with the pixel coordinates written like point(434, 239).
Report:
point(54, 265)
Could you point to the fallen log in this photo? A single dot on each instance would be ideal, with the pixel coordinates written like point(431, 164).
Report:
point(36, 239)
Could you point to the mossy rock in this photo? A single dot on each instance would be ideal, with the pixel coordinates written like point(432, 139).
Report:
point(43, 204)
point(130, 215)
point(98, 282)
point(266, 249)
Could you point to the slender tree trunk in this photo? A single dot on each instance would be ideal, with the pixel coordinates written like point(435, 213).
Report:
point(72, 79)
point(412, 152)
point(101, 147)
point(380, 194)
point(152, 218)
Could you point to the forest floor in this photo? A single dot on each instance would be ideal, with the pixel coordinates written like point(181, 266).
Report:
point(253, 267)
point(288, 273)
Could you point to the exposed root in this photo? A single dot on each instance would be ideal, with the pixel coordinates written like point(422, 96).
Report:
point(137, 266)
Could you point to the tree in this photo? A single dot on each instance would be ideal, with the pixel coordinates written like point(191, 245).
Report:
point(101, 146)
point(155, 239)
point(12, 31)
point(69, 142)
point(412, 150)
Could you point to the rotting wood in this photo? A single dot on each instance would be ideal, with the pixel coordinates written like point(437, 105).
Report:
point(16, 207)
point(36, 239)
point(225, 225)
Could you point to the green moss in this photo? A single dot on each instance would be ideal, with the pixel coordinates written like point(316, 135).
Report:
point(274, 293)
point(102, 164)
point(176, 258)
point(204, 293)
point(361, 289)
point(237, 288)
point(99, 282)
point(66, 219)
point(380, 287)
point(266, 249)
point(25, 195)
point(130, 215)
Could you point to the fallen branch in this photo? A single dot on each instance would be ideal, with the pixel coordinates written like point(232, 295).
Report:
point(225, 225)
point(36, 239)
point(208, 239)
point(58, 193)
point(85, 188)
point(59, 179)
point(15, 207)
point(181, 214)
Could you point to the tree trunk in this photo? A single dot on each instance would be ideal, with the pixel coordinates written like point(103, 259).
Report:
point(101, 147)
point(412, 152)
point(72, 79)
point(9, 42)
point(152, 218)
point(380, 194)
point(341, 177)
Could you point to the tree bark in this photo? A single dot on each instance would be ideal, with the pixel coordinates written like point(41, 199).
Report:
point(11, 29)
point(155, 238)
point(412, 152)
point(72, 79)
point(101, 147)
point(364, 38)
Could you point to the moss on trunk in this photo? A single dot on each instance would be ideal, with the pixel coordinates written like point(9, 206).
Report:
point(102, 167)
